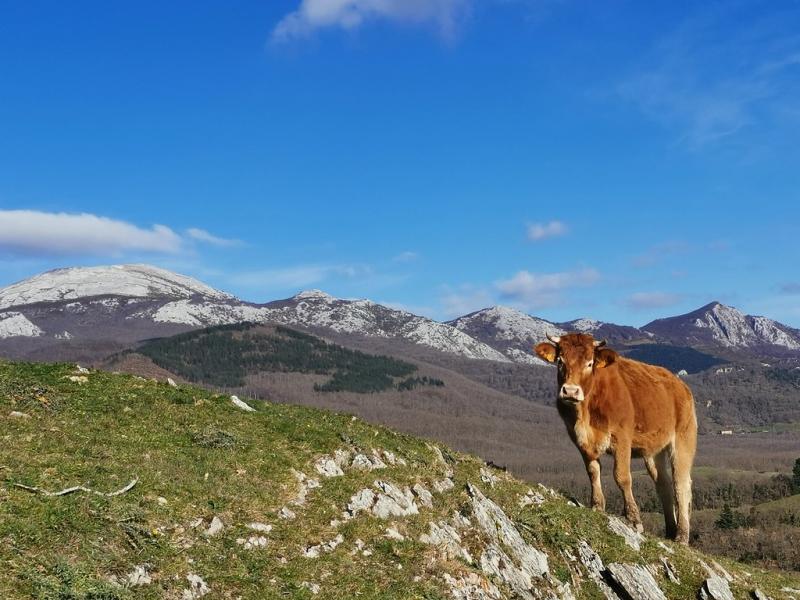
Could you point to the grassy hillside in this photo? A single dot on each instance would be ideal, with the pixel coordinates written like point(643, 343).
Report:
point(212, 482)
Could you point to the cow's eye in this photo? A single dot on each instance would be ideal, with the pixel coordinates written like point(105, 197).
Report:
point(589, 364)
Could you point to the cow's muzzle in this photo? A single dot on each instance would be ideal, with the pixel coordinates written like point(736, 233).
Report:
point(571, 392)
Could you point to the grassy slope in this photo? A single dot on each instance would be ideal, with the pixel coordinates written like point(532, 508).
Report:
point(206, 458)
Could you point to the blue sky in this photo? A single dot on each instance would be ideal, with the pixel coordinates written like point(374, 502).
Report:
point(620, 160)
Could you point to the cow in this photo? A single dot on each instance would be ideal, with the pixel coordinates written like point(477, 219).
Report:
point(626, 408)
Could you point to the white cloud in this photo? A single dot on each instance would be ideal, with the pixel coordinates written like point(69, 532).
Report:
point(298, 277)
point(538, 290)
point(542, 231)
point(348, 15)
point(34, 232)
point(647, 300)
point(201, 235)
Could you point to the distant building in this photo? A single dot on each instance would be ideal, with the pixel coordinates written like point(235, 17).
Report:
point(682, 373)
point(726, 432)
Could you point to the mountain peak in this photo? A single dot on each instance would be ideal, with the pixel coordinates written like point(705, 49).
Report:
point(314, 294)
point(132, 280)
point(717, 324)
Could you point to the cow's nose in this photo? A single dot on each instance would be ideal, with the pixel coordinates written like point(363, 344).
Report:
point(571, 391)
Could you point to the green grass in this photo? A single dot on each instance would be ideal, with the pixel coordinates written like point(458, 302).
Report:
point(195, 456)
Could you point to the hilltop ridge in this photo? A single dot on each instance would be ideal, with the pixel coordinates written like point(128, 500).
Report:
point(216, 498)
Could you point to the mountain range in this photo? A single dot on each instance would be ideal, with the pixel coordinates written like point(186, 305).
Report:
point(93, 311)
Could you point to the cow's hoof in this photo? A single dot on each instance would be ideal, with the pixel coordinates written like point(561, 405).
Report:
point(639, 527)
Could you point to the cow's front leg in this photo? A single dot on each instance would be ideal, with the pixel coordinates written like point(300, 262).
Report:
point(622, 475)
point(593, 469)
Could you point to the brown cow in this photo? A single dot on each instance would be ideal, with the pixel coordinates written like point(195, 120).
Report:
point(625, 407)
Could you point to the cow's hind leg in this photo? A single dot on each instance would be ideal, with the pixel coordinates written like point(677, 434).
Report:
point(622, 475)
point(593, 470)
point(682, 459)
point(662, 477)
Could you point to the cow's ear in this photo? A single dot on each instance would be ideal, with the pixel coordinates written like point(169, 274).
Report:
point(604, 357)
point(546, 350)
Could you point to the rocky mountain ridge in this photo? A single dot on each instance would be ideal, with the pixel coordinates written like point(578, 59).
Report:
point(121, 304)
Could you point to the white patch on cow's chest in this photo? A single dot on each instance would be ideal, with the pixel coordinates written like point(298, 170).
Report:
point(581, 434)
point(583, 437)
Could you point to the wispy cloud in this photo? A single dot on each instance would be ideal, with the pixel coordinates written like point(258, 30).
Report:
point(348, 15)
point(542, 231)
point(41, 233)
point(201, 235)
point(790, 288)
point(725, 70)
point(648, 300)
point(299, 276)
point(540, 290)
point(464, 299)
point(660, 252)
point(406, 257)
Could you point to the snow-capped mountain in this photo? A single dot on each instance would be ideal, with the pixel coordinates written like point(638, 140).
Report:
point(508, 330)
point(132, 281)
point(720, 326)
point(126, 303)
point(615, 334)
point(318, 310)
point(107, 309)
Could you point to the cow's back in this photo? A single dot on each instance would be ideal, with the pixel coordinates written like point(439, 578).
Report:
point(662, 403)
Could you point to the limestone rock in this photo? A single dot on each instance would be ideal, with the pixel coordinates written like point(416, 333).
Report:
point(324, 548)
point(423, 495)
point(360, 501)
point(715, 588)
point(287, 513)
point(254, 541)
point(242, 404)
point(488, 477)
point(393, 534)
point(366, 463)
point(393, 502)
point(632, 538)
point(471, 586)
point(215, 527)
point(171, 382)
point(443, 485)
point(327, 467)
point(260, 527)
point(15, 414)
point(594, 566)
point(531, 498)
point(501, 530)
point(635, 580)
point(197, 587)
point(445, 537)
point(496, 563)
point(394, 460)
point(669, 570)
point(139, 576)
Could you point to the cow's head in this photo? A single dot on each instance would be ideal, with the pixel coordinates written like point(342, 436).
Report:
point(577, 356)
